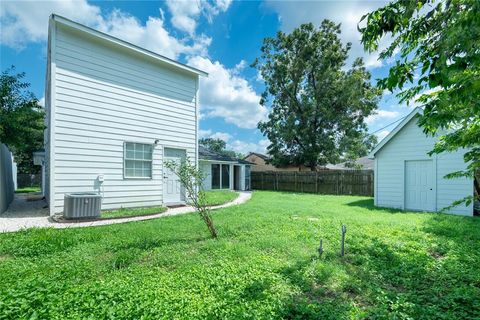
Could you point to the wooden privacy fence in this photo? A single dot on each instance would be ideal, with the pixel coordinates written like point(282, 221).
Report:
point(341, 182)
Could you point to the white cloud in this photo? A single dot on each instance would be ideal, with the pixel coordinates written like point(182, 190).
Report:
point(236, 145)
point(415, 103)
point(386, 92)
point(259, 77)
point(372, 61)
point(226, 95)
point(246, 147)
point(214, 7)
point(348, 13)
point(153, 35)
point(382, 115)
point(185, 13)
point(27, 21)
point(204, 133)
point(41, 102)
point(222, 136)
point(382, 134)
point(239, 67)
point(215, 135)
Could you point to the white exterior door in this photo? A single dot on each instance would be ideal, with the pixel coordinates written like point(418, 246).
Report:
point(172, 187)
point(419, 188)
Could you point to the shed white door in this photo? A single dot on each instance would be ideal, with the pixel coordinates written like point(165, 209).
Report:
point(172, 188)
point(419, 188)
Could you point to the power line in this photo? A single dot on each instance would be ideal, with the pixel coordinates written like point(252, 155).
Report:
point(388, 125)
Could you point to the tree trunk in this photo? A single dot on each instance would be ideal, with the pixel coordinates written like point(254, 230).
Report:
point(209, 222)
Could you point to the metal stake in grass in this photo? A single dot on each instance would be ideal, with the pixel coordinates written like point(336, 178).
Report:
point(344, 230)
point(320, 249)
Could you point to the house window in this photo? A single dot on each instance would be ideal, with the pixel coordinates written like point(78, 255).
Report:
point(215, 176)
point(225, 176)
point(137, 160)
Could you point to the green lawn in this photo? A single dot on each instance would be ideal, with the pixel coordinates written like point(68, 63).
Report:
point(28, 190)
point(263, 266)
point(214, 198)
point(218, 197)
point(130, 212)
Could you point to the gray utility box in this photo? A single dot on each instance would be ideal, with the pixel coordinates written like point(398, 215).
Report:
point(82, 205)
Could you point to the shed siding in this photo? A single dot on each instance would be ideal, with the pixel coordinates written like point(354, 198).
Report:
point(449, 190)
point(106, 95)
point(410, 143)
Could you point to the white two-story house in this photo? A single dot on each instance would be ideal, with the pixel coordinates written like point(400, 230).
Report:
point(115, 113)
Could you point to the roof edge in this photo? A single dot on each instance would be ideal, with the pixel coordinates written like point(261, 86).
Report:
point(78, 26)
point(397, 129)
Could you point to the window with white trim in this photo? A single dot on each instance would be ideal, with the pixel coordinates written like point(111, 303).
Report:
point(137, 161)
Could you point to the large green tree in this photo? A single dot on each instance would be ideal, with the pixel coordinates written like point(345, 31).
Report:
point(317, 105)
point(358, 147)
point(437, 46)
point(213, 144)
point(21, 119)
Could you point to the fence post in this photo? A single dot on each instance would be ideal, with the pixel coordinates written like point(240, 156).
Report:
point(338, 182)
point(295, 177)
point(316, 182)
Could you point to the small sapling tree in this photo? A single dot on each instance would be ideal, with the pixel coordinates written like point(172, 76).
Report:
point(191, 179)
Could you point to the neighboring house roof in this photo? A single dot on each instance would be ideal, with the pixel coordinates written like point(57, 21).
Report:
point(365, 162)
point(416, 111)
point(62, 20)
point(205, 154)
point(264, 157)
point(277, 167)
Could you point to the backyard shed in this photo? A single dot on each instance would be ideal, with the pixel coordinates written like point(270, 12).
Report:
point(223, 172)
point(406, 177)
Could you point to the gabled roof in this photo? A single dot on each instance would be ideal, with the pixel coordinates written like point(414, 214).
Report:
point(205, 154)
point(365, 162)
point(108, 38)
point(262, 156)
point(410, 116)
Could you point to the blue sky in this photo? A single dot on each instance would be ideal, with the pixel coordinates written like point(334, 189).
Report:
point(219, 36)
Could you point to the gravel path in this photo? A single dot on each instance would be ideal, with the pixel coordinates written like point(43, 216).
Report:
point(29, 211)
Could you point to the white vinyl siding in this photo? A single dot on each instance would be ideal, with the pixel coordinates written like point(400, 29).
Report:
point(411, 144)
point(106, 95)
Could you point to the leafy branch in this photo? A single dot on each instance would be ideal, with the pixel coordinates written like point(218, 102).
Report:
point(191, 179)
